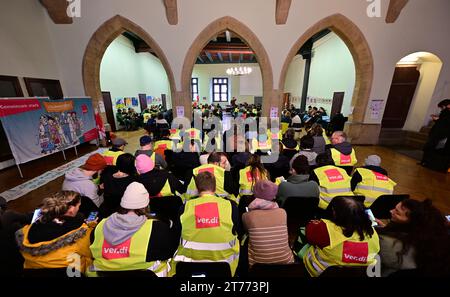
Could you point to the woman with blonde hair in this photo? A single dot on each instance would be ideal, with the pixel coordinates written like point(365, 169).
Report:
point(59, 236)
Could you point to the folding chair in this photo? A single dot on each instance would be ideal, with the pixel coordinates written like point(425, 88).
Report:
point(128, 273)
point(259, 270)
point(203, 269)
point(345, 271)
point(382, 206)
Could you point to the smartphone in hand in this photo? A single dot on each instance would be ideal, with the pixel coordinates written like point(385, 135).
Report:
point(36, 215)
point(371, 217)
point(92, 216)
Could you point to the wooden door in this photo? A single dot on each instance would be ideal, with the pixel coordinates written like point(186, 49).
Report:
point(143, 101)
point(338, 99)
point(400, 96)
point(109, 110)
point(286, 100)
point(164, 101)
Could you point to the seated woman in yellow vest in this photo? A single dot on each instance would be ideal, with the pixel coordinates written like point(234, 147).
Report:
point(58, 237)
point(346, 239)
point(372, 181)
point(146, 143)
point(129, 240)
point(209, 227)
point(333, 181)
point(226, 187)
point(248, 176)
point(158, 182)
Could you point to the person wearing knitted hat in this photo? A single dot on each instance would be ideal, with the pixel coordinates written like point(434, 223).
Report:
point(146, 144)
point(158, 182)
point(130, 240)
point(371, 180)
point(270, 247)
point(80, 180)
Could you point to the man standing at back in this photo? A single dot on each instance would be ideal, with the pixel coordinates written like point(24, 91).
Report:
point(210, 226)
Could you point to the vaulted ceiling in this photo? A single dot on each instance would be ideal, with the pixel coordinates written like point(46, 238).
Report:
point(225, 48)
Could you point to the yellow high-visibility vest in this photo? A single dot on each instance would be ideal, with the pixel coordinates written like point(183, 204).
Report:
point(175, 134)
point(207, 234)
point(166, 191)
point(342, 251)
point(343, 160)
point(219, 174)
point(111, 157)
point(192, 133)
point(373, 185)
point(128, 255)
point(333, 181)
point(163, 145)
point(263, 145)
point(246, 181)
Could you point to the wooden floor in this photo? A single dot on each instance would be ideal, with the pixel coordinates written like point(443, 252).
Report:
point(419, 182)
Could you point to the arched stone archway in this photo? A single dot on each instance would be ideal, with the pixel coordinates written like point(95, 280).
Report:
point(362, 57)
point(220, 25)
point(97, 46)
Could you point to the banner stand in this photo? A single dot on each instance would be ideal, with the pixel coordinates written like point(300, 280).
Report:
point(20, 171)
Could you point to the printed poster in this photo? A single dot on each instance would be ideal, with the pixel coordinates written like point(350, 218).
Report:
point(36, 127)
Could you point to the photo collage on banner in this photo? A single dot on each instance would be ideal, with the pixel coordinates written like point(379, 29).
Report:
point(36, 127)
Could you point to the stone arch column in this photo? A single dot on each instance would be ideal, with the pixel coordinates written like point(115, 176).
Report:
point(220, 25)
point(362, 57)
point(97, 46)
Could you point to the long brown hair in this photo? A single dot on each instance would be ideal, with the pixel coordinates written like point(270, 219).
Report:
point(258, 171)
point(427, 232)
point(58, 204)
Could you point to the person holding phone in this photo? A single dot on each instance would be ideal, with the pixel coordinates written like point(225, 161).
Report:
point(417, 238)
point(346, 239)
point(59, 232)
point(130, 240)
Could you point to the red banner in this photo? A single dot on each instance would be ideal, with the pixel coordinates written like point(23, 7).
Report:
point(90, 135)
point(14, 106)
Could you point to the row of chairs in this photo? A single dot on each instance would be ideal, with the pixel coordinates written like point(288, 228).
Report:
point(222, 270)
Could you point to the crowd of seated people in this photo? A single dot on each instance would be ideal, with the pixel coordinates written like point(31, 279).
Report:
point(232, 209)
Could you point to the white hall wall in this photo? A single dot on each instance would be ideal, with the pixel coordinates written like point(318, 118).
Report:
point(388, 42)
point(244, 88)
point(26, 49)
point(125, 73)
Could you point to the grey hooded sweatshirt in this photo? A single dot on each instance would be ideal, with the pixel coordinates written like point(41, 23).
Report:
point(77, 181)
point(121, 227)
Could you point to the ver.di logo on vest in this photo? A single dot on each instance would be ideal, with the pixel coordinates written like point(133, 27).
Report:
point(207, 216)
point(121, 250)
point(333, 175)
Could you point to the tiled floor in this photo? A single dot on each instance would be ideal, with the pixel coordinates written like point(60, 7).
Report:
point(419, 182)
